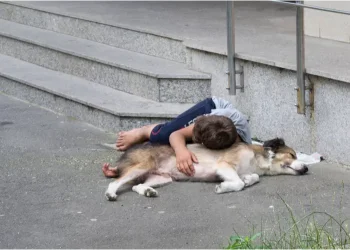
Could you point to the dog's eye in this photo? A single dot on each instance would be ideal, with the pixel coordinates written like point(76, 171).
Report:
point(293, 155)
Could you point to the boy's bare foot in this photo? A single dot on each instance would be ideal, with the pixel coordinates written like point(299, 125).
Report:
point(129, 138)
point(109, 172)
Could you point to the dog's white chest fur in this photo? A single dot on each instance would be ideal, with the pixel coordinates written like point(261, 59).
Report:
point(203, 171)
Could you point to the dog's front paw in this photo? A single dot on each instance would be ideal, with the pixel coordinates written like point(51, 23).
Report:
point(229, 186)
point(250, 179)
point(150, 192)
point(218, 189)
point(247, 180)
point(111, 196)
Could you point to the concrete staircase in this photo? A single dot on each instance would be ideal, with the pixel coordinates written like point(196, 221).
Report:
point(97, 73)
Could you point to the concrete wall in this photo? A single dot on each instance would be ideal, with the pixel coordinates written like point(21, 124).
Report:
point(328, 25)
point(269, 99)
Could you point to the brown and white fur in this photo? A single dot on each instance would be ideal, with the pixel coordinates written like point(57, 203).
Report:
point(239, 166)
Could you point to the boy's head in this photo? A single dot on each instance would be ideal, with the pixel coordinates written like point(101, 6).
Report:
point(214, 131)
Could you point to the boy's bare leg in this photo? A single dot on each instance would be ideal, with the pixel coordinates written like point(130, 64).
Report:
point(126, 139)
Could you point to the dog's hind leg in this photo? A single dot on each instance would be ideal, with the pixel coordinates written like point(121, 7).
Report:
point(133, 173)
point(147, 189)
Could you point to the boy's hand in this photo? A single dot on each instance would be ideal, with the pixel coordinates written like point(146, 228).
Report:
point(184, 161)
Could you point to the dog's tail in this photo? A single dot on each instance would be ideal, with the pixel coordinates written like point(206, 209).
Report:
point(110, 172)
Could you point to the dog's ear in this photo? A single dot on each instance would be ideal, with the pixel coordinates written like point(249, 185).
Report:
point(274, 144)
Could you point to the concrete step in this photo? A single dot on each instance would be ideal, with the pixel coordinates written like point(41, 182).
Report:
point(120, 36)
point(147, 76)
point(88, 101)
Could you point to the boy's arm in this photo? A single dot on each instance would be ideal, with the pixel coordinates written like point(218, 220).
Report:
point(184, 158)
point(178, 138)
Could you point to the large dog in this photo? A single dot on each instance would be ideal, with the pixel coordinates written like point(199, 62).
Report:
point(239, 166)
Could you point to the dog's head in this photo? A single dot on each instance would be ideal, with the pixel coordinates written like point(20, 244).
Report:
point(283, 158)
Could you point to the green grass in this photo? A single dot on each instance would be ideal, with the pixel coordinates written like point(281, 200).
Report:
point(316, 230)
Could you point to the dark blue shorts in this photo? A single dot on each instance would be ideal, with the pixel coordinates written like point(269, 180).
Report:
point(160, 133)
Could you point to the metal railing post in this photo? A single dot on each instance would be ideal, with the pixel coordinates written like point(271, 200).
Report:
point(231, 48)
point(300, 59)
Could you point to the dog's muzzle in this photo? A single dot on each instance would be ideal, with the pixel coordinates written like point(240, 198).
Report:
point(303, 170)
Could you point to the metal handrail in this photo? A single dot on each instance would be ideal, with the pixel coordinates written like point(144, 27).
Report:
point(300, 51)
point(313, 7)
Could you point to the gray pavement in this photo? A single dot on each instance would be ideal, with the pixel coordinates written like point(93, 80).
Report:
point(51, 193)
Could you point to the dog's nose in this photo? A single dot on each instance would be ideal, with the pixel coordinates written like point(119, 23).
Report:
point(304, 170)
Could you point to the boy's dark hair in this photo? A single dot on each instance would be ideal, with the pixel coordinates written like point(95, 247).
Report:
point(214, 131)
